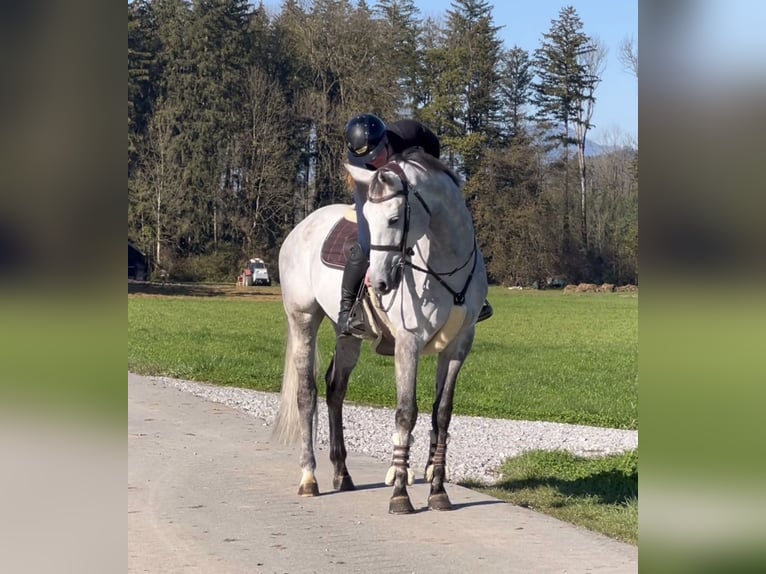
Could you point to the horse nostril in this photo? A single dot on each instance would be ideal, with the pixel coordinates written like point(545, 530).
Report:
point(382, 287)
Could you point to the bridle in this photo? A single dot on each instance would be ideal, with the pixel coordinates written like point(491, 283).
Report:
point(407, 252)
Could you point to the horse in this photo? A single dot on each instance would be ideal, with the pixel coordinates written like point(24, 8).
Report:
point(428, 279)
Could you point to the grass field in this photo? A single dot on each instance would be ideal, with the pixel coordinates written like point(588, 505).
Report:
point(542, 356)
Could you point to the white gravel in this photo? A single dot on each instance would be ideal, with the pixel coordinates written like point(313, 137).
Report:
point(477, 445)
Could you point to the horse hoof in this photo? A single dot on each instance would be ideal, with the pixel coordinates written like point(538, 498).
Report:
point(343, 483)
point(400, 505)
point(439, 502)
point(309, 489)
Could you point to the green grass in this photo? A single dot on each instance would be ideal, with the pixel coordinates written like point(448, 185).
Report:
point(598, 494)
point(542, 356)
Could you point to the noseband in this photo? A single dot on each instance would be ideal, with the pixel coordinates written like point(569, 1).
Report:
point(407, 252)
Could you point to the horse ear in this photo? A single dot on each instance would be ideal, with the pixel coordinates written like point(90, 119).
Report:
point(389, 178)
point(360, 174)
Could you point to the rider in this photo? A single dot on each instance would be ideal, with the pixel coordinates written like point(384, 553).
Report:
point(371, 143)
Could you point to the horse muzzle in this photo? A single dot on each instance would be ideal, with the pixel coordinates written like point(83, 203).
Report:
point(386, 279)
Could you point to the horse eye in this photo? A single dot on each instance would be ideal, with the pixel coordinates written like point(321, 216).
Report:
point(393, 221)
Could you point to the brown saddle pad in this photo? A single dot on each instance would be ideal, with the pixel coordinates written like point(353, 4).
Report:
point(332, 253)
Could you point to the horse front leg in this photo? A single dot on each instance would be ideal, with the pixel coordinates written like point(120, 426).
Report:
point(448, 367)
point(343, 362)
point(399, 474)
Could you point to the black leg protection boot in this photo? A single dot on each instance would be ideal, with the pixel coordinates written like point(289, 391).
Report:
point(353, 274)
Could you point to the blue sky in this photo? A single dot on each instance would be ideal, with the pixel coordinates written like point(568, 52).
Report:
point(524, 23)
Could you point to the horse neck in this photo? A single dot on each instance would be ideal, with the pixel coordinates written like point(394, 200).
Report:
point(451, 232)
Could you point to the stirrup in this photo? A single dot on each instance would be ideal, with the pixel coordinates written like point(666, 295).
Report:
point(486, 312)
point(355, 323)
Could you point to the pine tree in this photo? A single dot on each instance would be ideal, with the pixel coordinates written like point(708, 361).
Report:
point(402, 30)
point(515, 90)
point(558, 92)
point(435, 101)
point(219, 49)
point(474, 53)
point(143, 72)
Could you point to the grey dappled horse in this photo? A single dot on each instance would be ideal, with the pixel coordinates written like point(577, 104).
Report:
point(428, 275)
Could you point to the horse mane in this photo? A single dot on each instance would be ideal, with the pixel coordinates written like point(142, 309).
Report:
point(419, 155)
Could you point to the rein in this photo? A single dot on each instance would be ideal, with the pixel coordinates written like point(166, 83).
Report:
point(407, 252)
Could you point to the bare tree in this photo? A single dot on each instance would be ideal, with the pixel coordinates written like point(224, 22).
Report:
point(264, 193)
point(593, 62)
point(613, 208)
point(628, 56)
point(157, 186)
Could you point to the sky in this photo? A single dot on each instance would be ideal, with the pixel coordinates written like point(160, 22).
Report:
point(523, 24)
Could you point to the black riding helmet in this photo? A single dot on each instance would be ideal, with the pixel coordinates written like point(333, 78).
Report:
point(365, 138)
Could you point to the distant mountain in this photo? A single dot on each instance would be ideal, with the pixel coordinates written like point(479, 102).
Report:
point(592, 148)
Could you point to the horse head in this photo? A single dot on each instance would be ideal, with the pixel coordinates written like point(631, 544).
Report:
point(394, 225)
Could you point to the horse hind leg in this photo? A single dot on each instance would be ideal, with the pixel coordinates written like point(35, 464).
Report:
point(343, 362)
point(297, 411)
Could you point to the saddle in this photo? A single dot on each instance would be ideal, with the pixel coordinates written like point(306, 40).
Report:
point(332, 253)
point(367, 310)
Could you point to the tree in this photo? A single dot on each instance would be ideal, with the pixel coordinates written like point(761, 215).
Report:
point(293, 73)
point(402, 30)
point(264, 193)
point(559, 90)
point(513, 219)
point(219, 45)
point(235, 123)
point(343, 51)
point(143, 46)
point(628, 56)
point(435, 98)
point(473, 56)
point(593, 62)
point(514, 87)
point(168, 149)
point(157, 210)
point(613, 210)
point(156, 58)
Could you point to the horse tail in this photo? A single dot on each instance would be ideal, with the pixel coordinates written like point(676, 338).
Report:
point(287, 425)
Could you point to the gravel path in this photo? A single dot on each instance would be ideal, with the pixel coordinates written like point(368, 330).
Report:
point(477, 447)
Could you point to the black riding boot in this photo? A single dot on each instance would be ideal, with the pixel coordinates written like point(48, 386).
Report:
point(353, 274)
